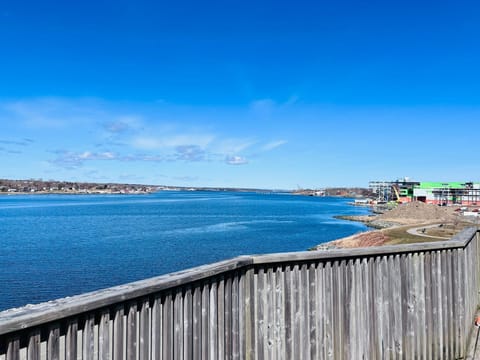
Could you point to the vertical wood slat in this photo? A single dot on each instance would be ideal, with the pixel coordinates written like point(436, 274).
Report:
point(328, 309)
point(228, 317)
point(104, 336)
point(33, 349)
point(53, 343)
point(213, 321)
point(178, 325)
point(235, 320)
point(312, 302)
point(89, 338)
point(204, 320)
point(288, 313)
point(118, 333)
point(296, 312)
point(221, 316)
point(167, 327)
point(188, 324)
point(319, 300)
point(132, 326)
point(269, 307)
point(157, 328)
point(280, 313)
point(259, 314)
point(197, 326)
point(241, 316)
point(13, 349)
point(305, 318)
point(250, 328)
point(428, 288)
point(145, 326)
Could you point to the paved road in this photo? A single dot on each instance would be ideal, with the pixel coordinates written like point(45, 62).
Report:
point(418, 232)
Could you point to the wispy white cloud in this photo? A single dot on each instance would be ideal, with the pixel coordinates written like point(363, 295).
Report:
point(69, 159)
point(122, 124)
point(50, 112)
point(172, 141)
point(236, 160)
point(233, 146)
point(273, 145)
point(22, 142)
point(190, 153)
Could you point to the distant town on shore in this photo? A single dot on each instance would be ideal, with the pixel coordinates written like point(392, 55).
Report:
point(40, 186)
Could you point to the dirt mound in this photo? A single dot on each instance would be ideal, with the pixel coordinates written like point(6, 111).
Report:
point(370, 238)
point(418, 212)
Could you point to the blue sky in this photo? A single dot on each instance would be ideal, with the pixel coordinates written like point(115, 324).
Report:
point(237, 93)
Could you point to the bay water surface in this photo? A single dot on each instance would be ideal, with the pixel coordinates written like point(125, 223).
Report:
point(53, 246)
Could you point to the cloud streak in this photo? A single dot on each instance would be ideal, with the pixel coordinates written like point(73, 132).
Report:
point(23, 142)
point(236, 160)
point(273, 145)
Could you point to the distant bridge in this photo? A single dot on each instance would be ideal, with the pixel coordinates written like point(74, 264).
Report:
point(389, 302)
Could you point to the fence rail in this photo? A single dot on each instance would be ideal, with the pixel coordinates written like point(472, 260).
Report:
point(408, 301)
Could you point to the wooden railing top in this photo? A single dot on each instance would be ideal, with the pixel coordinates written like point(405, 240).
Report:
point(31, 315)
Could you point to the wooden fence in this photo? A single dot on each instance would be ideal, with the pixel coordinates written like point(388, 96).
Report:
point(391, 302)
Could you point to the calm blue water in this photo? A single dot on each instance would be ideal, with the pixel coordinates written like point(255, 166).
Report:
point(59, 245)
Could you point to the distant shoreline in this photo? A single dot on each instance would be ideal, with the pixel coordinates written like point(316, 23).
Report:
point(19, 193)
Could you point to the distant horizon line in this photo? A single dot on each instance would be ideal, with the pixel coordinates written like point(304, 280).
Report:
point(181, 186)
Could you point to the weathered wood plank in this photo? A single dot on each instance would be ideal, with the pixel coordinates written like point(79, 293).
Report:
point(428, 289)
point(260, 314)
point(33, 349)
point(337, 335)
point(167, 328)
point(304, 312)
point(406, 270)
point(460, 305)
point(205, 305)
point(372, 321)
point(144, 330)
point(89, 338)
point(348, 319)
point(188, 324)
point(213, 321)
point(449, 301)
point(328, 312)
point(250, 327)
point(241, 315)
point(177, 298)
point(269, 316)
point(364, 331)
point(61, 308)
point(132, 326)
point(312, 312)
point(422, 309)
point(13, 349)
point(288, 313)
point(221, 317)
point(119, 339)
point(104, 336)
point(280, 313)
point(378, 307)
point(235, 314)
point(297, 313)
point(228, 317)
point(197, 323)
